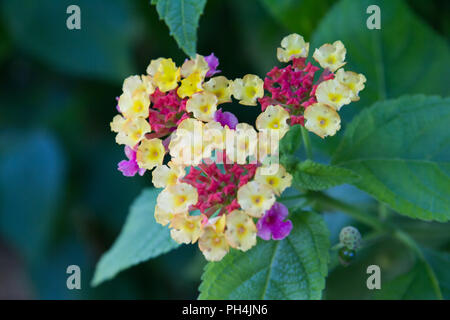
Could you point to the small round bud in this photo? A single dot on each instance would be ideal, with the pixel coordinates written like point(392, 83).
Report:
point(346, 255)
point(350, 238)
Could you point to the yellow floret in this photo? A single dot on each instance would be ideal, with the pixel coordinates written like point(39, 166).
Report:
point(203, 105)
point(162, 216)
point(197, 65)
point(165, 74)
point(186, 229)
point(277, 181)
point(129, 131)
point(220, 87)
point(213, 137)
point(255, 198)
point(177, 198)
point(353, 81)
point(150, 153)
point(213, 244)
point(164, 176)
point(333, 94)
point(248, 89)
point(331, 56)
point(273, 118)
point(246, 143)
point(186, 145)
point(292, 46)
point(190, 85)
point(118, 123)
point(153, 66)
point(134, 106)
point(241, 231)
point(322, 120)
point(135, 85)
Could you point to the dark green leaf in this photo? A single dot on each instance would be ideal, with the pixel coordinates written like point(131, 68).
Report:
point(297, 16)
point(414, 285)
point(400, 148)
point(417, 283)
point(393, 59)
point(140, 239)
point(182, 17)
point(291, 141)
point(430, 234)
point(440, 264)
point(101, 48)
point(316, 176)
point(293, 268)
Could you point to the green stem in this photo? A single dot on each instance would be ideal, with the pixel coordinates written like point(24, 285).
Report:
point(350, 210)
point(382, 211)
point(298, 196)
point(381, 228)
point(307, 143)
point(408, 241)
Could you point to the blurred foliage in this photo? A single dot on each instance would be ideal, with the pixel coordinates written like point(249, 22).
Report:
point(63, 202)
point(95, 53)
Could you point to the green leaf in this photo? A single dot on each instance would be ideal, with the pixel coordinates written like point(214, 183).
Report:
point(297, 16)
point(414, 285)
point(440, 264)
point(429, 234)
point(140, 239)
point(289, 144)
point(32, 176)
point(417, 283)
point(400, 148)
point(393, 59)
point(182, 17)
point(101, 48)
point(316, 176)
point(291, 141)
point(293, 268)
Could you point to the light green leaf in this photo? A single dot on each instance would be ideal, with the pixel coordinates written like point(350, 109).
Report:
point(417, 283)
point(101, 48)
point(394, 59)
point(316, 176)
point(400, 148)
point(182, 17)
point(140, 239)
point(293, 268)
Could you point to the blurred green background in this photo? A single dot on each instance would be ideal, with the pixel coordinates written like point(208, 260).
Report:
point(62, 200)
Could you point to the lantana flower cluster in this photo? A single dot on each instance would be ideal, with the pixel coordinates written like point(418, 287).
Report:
point(220, 186)
point(307, 94)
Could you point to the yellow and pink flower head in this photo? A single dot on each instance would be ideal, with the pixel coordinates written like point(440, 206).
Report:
point(221, 174)
point(309, 98)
